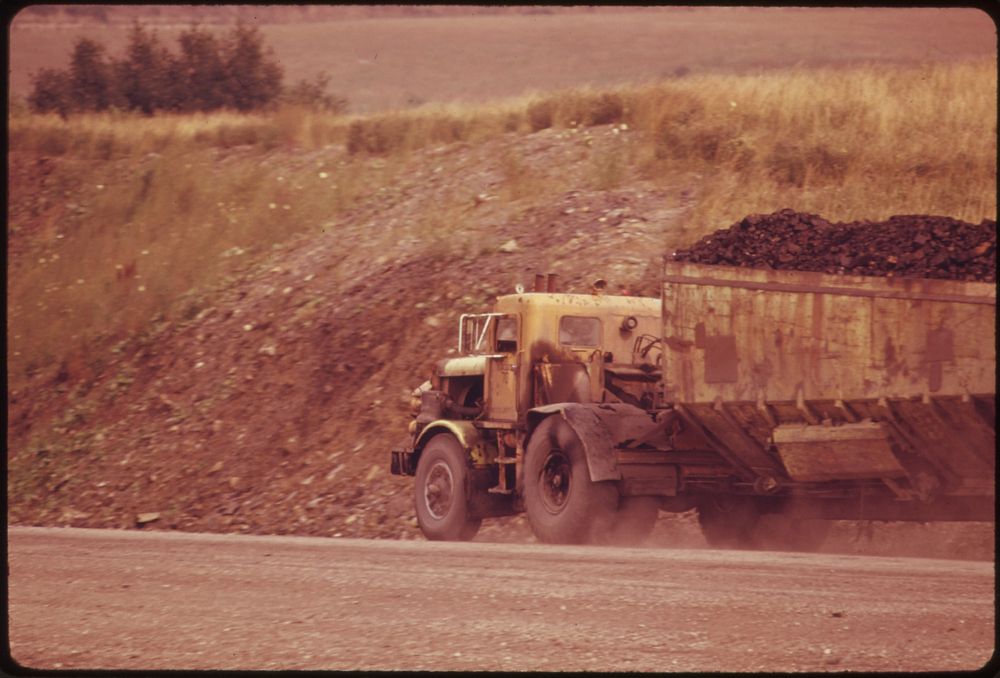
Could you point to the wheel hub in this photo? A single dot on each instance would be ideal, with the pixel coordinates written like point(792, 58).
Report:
point(439, 491)
point(555, 481)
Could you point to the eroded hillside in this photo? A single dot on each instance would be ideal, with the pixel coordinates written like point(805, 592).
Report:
point(271, 404)
point(217, 328)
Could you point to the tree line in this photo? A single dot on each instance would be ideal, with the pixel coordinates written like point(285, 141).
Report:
point(208, 72)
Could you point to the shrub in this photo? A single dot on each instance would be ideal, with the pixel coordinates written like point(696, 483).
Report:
point(141, 77)
point(90, 83)
point(50, 92)
point(448, 128)
point(200, 71)
point(312, 94)
point(511, 122)
point(207, 74)
point(253, 75)
point(540, 114)
point(604, 109)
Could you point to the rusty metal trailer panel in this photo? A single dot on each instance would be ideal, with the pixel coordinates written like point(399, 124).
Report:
point(811, 376)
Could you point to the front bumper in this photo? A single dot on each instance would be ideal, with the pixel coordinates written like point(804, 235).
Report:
point(402, 463)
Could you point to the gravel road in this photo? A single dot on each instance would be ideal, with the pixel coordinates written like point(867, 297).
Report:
point(93, 599)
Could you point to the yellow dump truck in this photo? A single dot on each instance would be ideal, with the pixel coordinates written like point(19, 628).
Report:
point(771, 401)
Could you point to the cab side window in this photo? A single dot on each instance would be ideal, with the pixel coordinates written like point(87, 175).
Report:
point(579, 331)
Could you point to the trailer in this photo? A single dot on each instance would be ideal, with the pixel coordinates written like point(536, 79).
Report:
point(770, 401)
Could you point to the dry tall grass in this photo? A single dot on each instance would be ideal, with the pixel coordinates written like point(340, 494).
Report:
point(852, 143)
point(160, 209)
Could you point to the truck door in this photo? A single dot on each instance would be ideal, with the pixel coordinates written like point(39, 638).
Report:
point(501, 370)
point(582, 335)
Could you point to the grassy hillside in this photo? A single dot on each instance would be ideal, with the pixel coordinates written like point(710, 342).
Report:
point(219, 318)
point(133, 212)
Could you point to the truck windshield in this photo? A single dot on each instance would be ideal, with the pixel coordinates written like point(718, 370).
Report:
point(482, 333)
point(579, 331)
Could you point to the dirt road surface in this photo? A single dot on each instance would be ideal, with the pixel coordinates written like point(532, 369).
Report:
point(94, 599)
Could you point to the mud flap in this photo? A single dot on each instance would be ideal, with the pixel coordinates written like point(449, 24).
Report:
point(601, 427)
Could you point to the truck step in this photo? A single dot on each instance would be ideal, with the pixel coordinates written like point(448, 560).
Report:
point(500, 490)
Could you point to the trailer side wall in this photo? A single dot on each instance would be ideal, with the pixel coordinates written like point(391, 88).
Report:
point(746, 350)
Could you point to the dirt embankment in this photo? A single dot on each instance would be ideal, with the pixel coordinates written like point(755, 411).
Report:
point(270, 405)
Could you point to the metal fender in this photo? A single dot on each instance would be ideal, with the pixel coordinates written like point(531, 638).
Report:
point(600, 428)
point(467, 435)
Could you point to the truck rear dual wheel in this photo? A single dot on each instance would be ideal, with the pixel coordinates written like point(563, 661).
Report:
point(563, 504)
point(441, 499)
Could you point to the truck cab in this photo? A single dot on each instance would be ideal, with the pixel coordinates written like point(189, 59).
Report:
point(526, 359)
point(536, 349)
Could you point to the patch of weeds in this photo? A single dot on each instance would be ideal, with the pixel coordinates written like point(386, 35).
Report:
point(541, 114)
point(828, 164)
point(230, 135)
point(51, 141)
point(378, 135)
point(786, 165)
point(601, 109)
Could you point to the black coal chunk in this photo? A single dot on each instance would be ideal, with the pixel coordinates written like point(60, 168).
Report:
point(905, 246)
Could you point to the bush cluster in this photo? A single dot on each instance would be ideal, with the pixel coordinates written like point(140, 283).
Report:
point(208, 72)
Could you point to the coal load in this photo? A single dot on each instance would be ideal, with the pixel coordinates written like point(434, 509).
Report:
point(908, 246)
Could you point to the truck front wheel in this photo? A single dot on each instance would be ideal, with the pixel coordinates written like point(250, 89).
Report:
point(563, 504)
point(442, 491)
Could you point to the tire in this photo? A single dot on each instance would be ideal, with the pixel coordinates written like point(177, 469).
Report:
point(441, 493)
point(633, 522)
point(728, 522)
point(563, 504)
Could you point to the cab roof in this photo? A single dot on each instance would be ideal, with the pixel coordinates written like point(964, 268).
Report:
point(595, 303)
